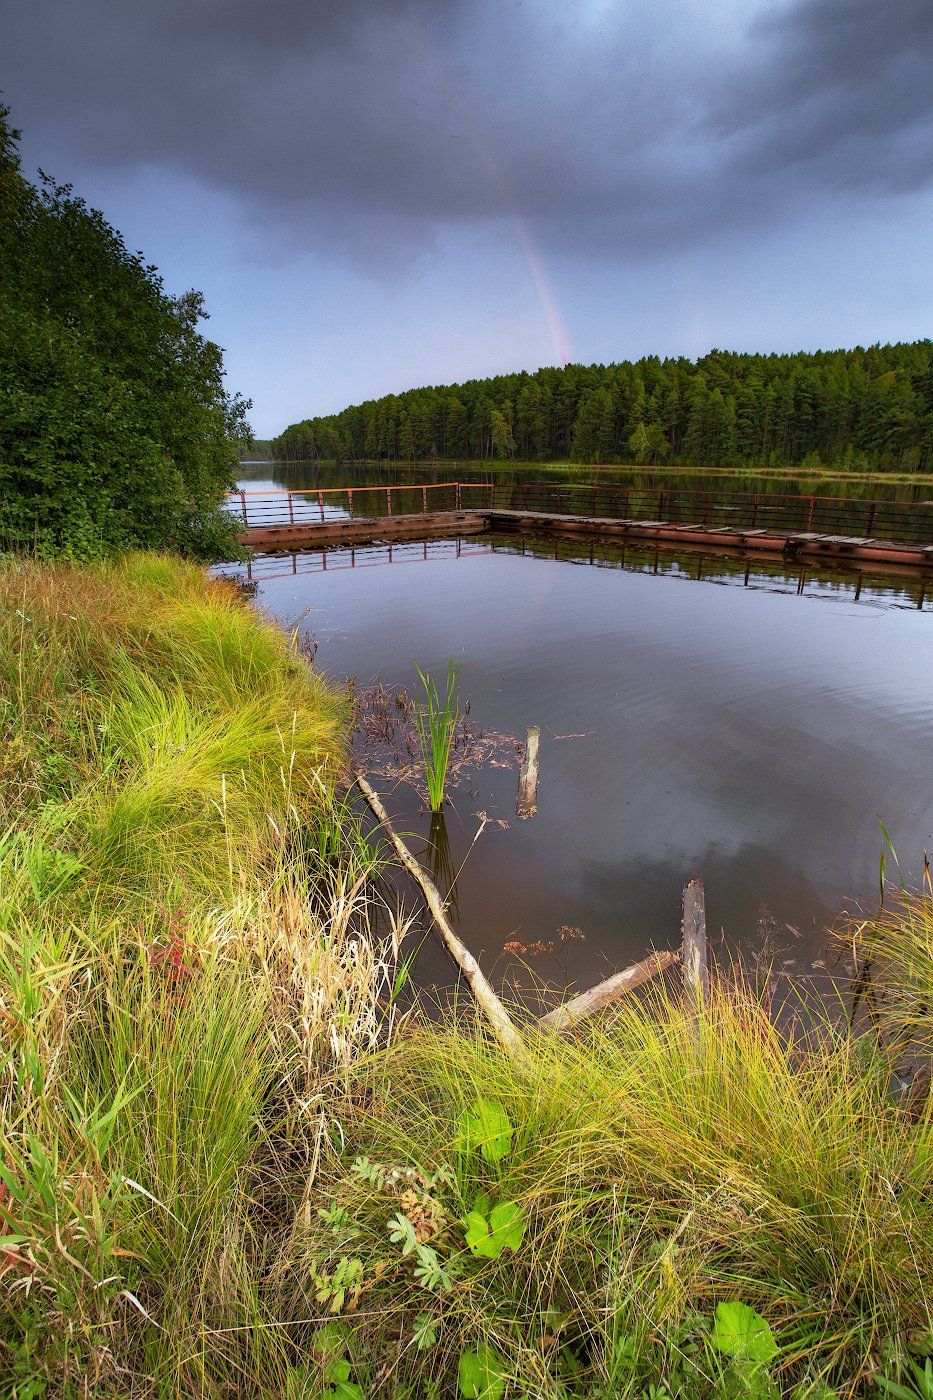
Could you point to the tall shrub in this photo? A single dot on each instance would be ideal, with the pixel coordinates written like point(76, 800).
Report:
point(115, 426)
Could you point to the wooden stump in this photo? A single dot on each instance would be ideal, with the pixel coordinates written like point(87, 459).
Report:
point(696, 970)
point(526, 804)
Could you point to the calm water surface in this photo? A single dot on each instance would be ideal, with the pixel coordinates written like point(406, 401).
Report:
point(699, 715)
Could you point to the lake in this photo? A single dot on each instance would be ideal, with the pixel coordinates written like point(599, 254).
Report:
point(700, 714)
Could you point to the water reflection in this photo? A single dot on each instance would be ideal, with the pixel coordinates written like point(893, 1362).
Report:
point(439, 861)
point(905, 589)
point(722, 728)
point(326, 475)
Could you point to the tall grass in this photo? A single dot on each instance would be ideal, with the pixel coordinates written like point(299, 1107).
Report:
point(436, 722)
point(654, 1178)
point(186, 971)
point(895, 952)
point(216, 1178)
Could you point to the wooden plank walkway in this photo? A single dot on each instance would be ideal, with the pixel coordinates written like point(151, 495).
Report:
point(314, 534)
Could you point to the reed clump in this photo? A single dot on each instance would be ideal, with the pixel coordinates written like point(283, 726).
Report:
point(436, 722)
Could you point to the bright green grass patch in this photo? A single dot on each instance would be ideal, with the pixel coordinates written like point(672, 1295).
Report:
point(151, 724)
point(185, 964)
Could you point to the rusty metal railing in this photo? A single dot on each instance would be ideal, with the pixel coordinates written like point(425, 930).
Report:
point(903, 521)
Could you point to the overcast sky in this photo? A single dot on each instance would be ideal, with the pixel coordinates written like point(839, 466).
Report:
point(377, 194)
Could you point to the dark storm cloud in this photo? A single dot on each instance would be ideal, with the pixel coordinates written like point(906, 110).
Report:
point(841, 91)
point(354, 126)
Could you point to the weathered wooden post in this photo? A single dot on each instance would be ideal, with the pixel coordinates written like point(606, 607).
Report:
point(526, 804)
point(696, 969)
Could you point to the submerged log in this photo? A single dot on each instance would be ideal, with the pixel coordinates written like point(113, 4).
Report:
point(696, 969)
point(486, 998)
point(526, 804)
point(565, 1017)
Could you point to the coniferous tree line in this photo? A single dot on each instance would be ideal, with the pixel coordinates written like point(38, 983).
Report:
point(842, 408)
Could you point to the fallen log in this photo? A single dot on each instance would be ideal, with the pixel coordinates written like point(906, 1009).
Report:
point(486, 998)
point(567, 1016)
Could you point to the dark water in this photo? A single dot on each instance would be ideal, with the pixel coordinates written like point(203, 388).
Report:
point(699, 714)
point(321, 475)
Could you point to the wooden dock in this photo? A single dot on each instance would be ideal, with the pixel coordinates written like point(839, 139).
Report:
point(886, 555)
point(890, 535)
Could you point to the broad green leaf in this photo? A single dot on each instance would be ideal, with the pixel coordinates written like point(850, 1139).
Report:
point(348, 1390)
point(343, 1390)
point(746, 1380)
point(482, 1202)
point(480, 1374)
point(507, 1224)
point(330, 1342)
point(486, 1128)
point(740, 1331)
point(477, 1234)
point(504, 1229)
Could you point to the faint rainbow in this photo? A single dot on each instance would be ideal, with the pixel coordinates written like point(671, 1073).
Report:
point(513, 211)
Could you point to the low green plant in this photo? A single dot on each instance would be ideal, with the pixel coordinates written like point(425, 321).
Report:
point(633, 1212)
point(916, 1382)
point(436, 722)
point(480, 1374)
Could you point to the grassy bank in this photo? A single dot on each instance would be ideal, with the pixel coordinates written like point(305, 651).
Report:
point(220, 1175)
point(183, 970)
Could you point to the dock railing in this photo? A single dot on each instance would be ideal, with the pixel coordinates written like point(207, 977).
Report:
point(904, 521)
